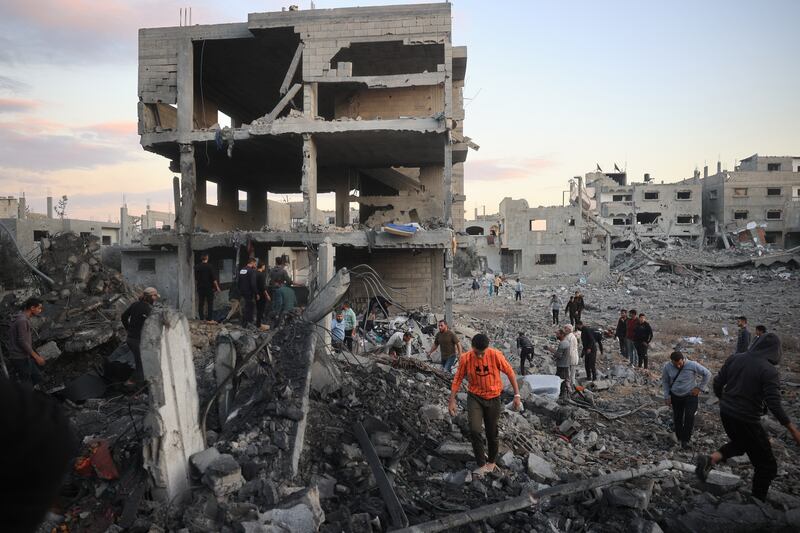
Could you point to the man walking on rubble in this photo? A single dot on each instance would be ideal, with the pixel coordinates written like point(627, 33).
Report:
point(562, 360)
point(482, 366)
point(398, 344)
point(525, 349)
point(589, 344)
point(743, 340)
point(448, 344)
point(570, 309)
point(207, 284)
point(555, 308)
point(518, 291)
point(21, 354)
point(744, 385)
point(579, 306)
point(263, 295)
point(248, 289)
point(350, 321)
point(574, 356)
point(761, 330)
point(630, 345)
point(475, 287)
point(679, 380)
point(621, 331)
point(642, 336)
point(133, 320)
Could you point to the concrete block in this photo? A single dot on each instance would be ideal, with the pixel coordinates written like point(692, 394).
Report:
point(618, 496)
point(202, 460)
point(540, 469)
point(223, 476)
point(49, 351)
point(461, 451)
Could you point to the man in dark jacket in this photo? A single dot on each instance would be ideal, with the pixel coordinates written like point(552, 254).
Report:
point(630, 345)
point(263, 295)
point(206, 280)
point(570, 309)
point(579, 305)
point(133, 320)
point(642, 335)
point(743, 341)
point(589, 343)
point(21, 354)
point(248, 289)
point(744, 384)
point(525, 349)
point(620, 333)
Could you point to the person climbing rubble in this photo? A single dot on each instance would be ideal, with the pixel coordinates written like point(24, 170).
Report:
point(482, 367)
point(642, 337)
point(448, 344)
point(683, 381)
point(744, 385)
point(133, 320)
point(525, 350)
point(23, 358)
point(398, 344)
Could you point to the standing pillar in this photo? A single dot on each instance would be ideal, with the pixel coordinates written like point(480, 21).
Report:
point(309, 183)
point(343, 200)
point(49, 207)
point(325, 271)
point(22, 211)
point(608, 249)
point(124, 228)
point(186, 217)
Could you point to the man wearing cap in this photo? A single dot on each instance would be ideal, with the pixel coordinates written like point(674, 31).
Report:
point(132, 320)
point(743, 341)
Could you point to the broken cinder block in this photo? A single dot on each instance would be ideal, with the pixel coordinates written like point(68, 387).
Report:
point(223, 476)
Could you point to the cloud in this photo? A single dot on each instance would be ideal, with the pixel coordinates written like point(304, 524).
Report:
point(10, 85)
point(17, 105)
point(495, 170)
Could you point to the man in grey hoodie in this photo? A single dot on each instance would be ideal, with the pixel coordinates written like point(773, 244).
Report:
point(744, 384)
point(681, 390)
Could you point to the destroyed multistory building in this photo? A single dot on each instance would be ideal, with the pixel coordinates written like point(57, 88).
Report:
point(362, 102)
point(763, 191)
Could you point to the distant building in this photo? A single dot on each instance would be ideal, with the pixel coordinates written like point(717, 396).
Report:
point(761, 189)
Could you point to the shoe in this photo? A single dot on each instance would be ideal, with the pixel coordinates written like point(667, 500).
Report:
point(485, 469)
point(703, 466)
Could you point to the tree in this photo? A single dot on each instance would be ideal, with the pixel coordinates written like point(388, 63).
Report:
point(61, 207)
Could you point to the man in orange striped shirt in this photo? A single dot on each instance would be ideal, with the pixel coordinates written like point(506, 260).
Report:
point(482, 366)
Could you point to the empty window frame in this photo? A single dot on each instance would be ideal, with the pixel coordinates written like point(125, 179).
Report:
point(651, 195)
point(685, 219)
point(740, 192)
point(773, 237)
point(712, 194)
point(773, 191)
point(740, 215)
point(243, 201)
point(211, 193)
point(774, 214)
point(773, 167)
point(539, 224)
point(619, 222)
point(39, 235)
point(683, 195)
point(146, 264)
point(106, 240)
point(546, 259)
point(621, 198)
point(647, 218)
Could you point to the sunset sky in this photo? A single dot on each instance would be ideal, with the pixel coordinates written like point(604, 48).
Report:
point(553, 89)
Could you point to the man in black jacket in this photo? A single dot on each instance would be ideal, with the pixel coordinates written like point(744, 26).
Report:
point(589, 343)
point(525, 348)
point(206, 280)
point(621, 332)
point(642, 336)
point(743, 340)
point(248, 288)
point(263, 294)
point(133, 320)
point(744, 384)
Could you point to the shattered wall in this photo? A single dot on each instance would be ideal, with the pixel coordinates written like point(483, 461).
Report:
point(144, 267)
point(28, 232)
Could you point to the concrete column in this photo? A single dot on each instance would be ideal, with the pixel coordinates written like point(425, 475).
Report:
point(49, 207)
point(173, 426)
point(309, 183)
point(22, 213)
point(343, 200)
point(608, 249)
point(186, 216)
point(448, 286)
point(124, 226)
point(310, 107)
point(325, 271)
point(185, 89)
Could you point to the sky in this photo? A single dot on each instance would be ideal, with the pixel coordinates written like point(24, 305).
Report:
point(552, 90)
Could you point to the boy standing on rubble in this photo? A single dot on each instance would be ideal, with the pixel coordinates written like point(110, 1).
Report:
point(681, 390)
point(21, 354)
point(482, 366)
point(744, 385)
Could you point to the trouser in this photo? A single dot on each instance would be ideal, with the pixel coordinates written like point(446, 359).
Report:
point(750, 438)
point(630, 350)
point(683, 411)
point(572, 319)
point(249, 309)
point(447, 364)
point(27, 370)
point(517, 296)
point(261, 308)
point(134, 345)
point(563, 373)
point(622, 347)
point(525, 354)
point(641, 351)
point(555, 317)
point(348, 339)
point(205, 300)
point(491, 289)
point(578, 315)
point(589, 363)
point(486, 412)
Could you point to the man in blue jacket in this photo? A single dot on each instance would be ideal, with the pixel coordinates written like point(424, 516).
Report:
point(744, 384)
point(683, 381)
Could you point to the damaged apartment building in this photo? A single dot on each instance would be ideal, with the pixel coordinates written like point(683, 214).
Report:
point(762, 193)
point(365, 103)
